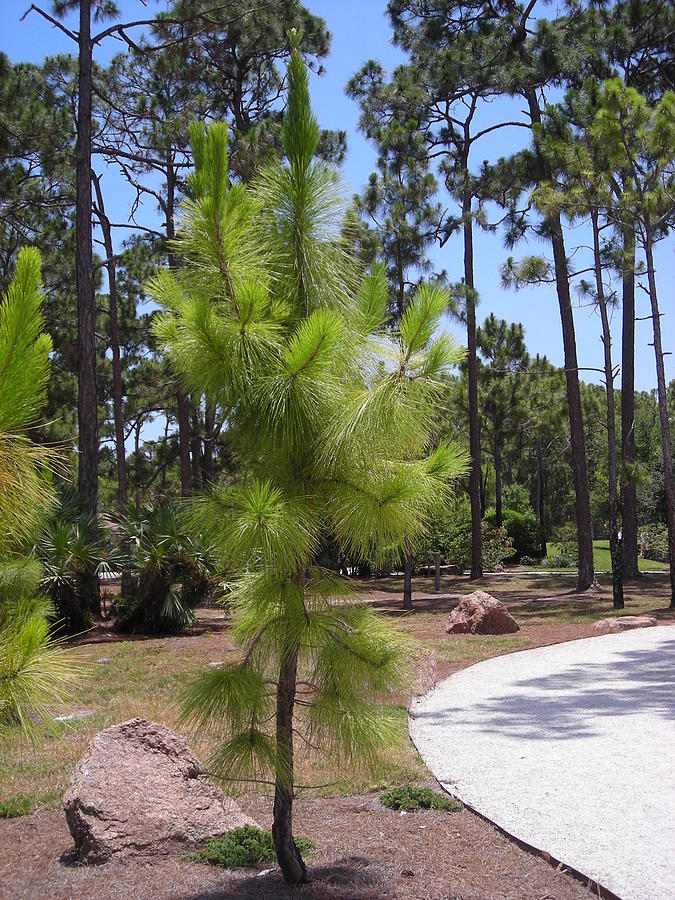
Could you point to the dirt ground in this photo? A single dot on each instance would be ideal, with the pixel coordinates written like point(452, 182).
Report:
point(363, 850)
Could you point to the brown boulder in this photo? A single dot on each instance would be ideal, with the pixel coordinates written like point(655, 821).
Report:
point(480, 613)
point(623, 623)
point(139, 789)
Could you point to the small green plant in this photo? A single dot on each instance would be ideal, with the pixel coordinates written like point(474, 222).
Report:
point(241, 847)
point(409, 798)
point(16, 806)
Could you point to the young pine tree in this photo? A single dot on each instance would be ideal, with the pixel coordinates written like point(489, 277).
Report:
point(333, 419)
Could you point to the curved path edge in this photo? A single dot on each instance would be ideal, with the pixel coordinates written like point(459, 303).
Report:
point(566, 749)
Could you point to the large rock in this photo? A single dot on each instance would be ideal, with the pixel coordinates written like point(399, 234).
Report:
point(480, 613)
point(623, 623)
point(139, 789)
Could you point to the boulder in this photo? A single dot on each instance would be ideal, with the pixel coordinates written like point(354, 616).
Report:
point(139, 789)
point(623, 623)
point(480, 613)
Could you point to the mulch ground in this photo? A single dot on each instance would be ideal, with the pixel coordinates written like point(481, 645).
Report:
point(363, 851)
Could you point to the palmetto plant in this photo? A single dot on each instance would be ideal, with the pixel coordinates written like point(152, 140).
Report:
point(69, 548)
point(333, 416)
point(35, 672)
point(170, 572)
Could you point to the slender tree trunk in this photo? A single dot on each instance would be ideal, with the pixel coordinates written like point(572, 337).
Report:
point(586, 578)
point(628, 491)
point(196, 448)
point(118, 403)
point(407, 579)
point(663, 410)
point(208, 473)
point(87, 397)
point(540, 496)
point(615, 550)
point(183, 407)
point(292, 865)
point(472, 370)
point(497, 452)
point(137, 450)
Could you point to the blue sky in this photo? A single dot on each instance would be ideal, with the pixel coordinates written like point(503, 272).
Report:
point(360, 31)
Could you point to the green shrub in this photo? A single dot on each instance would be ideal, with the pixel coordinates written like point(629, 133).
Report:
point(517, 498)
point(528, 560)
point(654, 542)
point(241, 847)
point(409, 798)
point(525, 532)
point(16, 806)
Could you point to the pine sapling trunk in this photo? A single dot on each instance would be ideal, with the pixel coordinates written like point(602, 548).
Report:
point(290, 860)
point(615, 550)
point(628, 491)
point(663, 410)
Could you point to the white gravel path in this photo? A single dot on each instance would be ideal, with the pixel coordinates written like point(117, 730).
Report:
point(570, 748)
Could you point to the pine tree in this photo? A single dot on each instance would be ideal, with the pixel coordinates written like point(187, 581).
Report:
point(334, 416)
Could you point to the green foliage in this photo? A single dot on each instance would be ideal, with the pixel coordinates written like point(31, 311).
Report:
point(524, 531)
point(242, 847)
point(410, 798)
point(517, 498)
point(16, 806)
point(654, 541)
point(169, 571)
point(35, 673)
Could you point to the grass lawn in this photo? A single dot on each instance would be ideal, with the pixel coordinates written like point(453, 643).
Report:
point(603, 562)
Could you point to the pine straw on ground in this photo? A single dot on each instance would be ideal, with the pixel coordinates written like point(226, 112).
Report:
point(363, 851)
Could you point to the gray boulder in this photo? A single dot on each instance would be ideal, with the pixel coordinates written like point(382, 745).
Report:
point(623, 623)
point(481, 613)
point(139, 789)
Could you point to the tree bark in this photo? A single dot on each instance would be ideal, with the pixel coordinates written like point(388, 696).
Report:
point(472, 371)
point(292, 865)
point(628, 491)
point(183, 407)
point(87, 395)
point(586, 577)
point(497, 453)
point(118, 402)
point(407, 579)
point(540, 496)
point(196, 450)
point(208, 471)
point(615, 549)
point(663, 410)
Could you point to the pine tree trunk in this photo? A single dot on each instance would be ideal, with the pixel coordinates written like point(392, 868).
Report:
point(628, 491)
point(407, 579)
point(118, 403)
point(615, 549)
point(292, 865)
point(663, 411)
point(208, 473)
point(183, 407)
point(497, 453)
point(540, 496)
point(196, 450)
point(87, 399)
point(472, 370)
point(586, 578)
